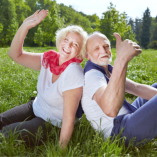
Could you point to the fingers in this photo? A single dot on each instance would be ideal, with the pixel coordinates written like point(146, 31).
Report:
point(42, 14)
point(118, 38)
point(136, 46)
point(138, 51)
point(36, 12)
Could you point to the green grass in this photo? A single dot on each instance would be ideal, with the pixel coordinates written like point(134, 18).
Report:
point(17, 85)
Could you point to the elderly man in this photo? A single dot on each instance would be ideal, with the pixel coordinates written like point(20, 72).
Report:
point(103, 94)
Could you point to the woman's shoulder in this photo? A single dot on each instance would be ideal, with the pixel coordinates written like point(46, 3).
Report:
point(73, 77)
point(74, 68)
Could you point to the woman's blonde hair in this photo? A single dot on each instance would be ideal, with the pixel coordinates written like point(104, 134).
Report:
point(62, 33)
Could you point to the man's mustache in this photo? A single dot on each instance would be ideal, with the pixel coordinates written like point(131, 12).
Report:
point(104, 55)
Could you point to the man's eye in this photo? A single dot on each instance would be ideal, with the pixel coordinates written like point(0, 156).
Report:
point(66, 39)
point(106, 47)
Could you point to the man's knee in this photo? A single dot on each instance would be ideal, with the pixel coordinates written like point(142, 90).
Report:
point(154, 85)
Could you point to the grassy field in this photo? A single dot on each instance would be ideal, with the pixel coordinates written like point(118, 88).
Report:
point(18, 84)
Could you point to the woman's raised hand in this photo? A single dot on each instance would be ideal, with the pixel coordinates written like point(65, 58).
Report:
point(35, 19)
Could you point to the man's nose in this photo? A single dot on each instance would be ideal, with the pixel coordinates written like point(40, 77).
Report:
point(102, 50)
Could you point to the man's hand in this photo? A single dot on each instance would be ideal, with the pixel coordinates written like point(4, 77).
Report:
point(35, 19)
point(126, 49)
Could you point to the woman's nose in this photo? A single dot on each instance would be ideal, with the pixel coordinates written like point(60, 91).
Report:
point(70, 44)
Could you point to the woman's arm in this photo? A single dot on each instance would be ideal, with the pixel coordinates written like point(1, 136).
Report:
point(27, 59)
point(71, 102)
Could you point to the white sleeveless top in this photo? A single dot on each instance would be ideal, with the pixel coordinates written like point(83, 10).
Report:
point(48, 104)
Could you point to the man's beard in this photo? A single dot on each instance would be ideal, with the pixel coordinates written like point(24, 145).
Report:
point(102, 63)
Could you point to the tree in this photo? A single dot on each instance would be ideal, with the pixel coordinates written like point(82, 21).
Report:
point(47, 29)
point(72, 17)
point(83, 22)
point(8, 20)
point(95, 21)
point(21, 10)
point(1, 27)
point(131, 22)
point(30, 36)
point(130, 35)
point(138, 27)
point(155, 33)
point(145, 34)
point(67, 13)
point(112, 21)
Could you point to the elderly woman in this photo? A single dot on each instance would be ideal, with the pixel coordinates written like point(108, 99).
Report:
point(59, 84)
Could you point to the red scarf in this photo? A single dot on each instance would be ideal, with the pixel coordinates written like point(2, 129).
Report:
point(51, 59)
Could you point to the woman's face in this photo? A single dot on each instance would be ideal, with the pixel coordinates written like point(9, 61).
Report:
point(70, 46)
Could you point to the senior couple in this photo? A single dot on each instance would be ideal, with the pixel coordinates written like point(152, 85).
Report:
point(62, 82)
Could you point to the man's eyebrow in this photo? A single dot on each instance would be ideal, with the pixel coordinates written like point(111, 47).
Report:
point(106, 45)
point(95, 46)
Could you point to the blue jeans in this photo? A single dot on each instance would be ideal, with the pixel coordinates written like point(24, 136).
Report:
point(140, 125)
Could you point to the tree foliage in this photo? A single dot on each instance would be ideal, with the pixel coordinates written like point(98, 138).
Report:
point(8, 19)
point(138, 27)
point(95, 21)
point(46, 30)
point(145, 33)
point(72, 17)
point(13, 12)
point(113, 21)
point(1, 27)
point(132, 24)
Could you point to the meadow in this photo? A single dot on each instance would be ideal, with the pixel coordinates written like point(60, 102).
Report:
point(18, 85)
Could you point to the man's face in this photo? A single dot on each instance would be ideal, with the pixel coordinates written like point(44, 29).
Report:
point(98, 50)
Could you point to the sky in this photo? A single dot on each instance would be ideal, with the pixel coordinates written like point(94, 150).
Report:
point(133, 8)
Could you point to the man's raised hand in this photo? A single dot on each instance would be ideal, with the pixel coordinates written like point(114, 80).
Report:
point(126, 49)
point(35, 19)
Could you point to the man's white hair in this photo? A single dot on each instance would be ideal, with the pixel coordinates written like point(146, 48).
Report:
point(62, 33)
point(101, 35)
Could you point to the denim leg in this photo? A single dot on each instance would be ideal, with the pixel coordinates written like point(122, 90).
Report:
point(142, 124)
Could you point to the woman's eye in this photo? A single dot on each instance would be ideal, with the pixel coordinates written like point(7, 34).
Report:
point(66, 39)
point(75, 44)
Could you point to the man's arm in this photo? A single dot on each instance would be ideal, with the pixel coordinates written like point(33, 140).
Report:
point(111, 98)
point(140, 90)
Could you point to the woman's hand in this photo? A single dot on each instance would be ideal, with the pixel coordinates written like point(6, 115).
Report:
point(35, 19)
point(16, 53)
